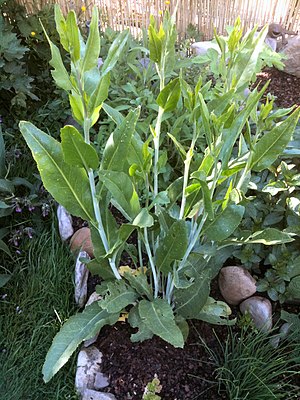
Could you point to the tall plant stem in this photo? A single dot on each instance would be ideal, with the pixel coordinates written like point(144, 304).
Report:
point(156, 150)
point(152, 264)
point(99, 224)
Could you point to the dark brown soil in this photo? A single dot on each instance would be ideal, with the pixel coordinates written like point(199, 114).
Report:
point(189, 373)
point(285, 87)
point(184, 374)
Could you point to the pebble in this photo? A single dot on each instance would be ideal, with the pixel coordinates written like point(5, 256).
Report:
point(260, 310)
point(81, 240)
point(236, 284)
point(89, 394)
point(65, 222)
point(81, 278)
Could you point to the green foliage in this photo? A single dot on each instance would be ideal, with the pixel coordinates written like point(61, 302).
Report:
point(249, 367)
point(151, 389)
point(185, 219)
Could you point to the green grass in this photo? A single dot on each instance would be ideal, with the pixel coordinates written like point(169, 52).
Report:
point(249, 368)
point(39, 296)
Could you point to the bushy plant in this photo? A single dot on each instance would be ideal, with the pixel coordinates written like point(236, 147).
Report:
point(184, 221)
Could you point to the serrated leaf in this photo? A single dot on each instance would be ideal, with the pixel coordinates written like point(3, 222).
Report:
point(272, 144)
point(118, 296)
point(69, 185)
point(172, 247)
point(118, 144)
point(225, 223)
point(79, 327)
point(140, 284)
point(158, 316)
point(135, 321)
point(76, 151)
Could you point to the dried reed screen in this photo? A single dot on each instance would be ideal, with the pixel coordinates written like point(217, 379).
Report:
point(202, 14)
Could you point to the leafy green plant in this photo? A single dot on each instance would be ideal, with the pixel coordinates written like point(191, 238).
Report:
point(184, 224)
point(248, 367)
point(152, 389)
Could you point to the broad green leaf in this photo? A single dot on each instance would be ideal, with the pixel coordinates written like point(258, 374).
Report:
point(294, 288)
point(76, 151)
point(114, 52)
point(77, 107)
point(216, 312)
point(155, 45)
point(69, 185)
point(100, 94)
point(92, 50)
point(60, 74)
point(113, 114)
point(158, 316)
point(79, 327)
point(268, 237)
point(118, 144)
point(4, 278)
point(135, 321)
point(117, 296)
point(272, 144)
point(73, 36)
point(225, 223)
point(140, 283)
point(143, 219)
point(61, 27)
point(172, 247)
point(169, 96)
point(189, 302)
point(124, 196)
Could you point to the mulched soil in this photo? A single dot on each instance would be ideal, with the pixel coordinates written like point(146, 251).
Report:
point(189, 373)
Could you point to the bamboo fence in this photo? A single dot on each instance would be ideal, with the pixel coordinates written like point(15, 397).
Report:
point(202, 15)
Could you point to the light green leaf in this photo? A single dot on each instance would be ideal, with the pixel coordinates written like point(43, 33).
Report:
point(114, 52)
point(118, 295)
point(61, 27)
point(92, 50)
point(143, 219)
point(73, 36)
point(76, 151)
point(268, 237)
point(158, 316)
point(135, 321)
point(155, 45)
point(124, 196)
point(140, 283)
point(100, 94)
point(224, 223)
point(272, 144)
point(172, 247)
point(77, 107)
point(169, 96)
point(118, 144)
point(79, 327)
point(69, 185)
point(60, 74)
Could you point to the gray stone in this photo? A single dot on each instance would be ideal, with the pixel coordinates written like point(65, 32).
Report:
point(283, 332)
point(292, 51)
point(65, 223)
point(236, 284)
point(89, 394)
point(201, 48)
point(81, 278)
point(260, 310)
point(88, 366)
point(101, 381)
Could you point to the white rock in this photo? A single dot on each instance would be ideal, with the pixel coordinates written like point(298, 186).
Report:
point(201, 48)
point(271, 43)
point(89, 394)
point(93, 297)
point(260, 310)
point(64, 223)
point(101, 381)
point(236, 284)
point(88, 366)
point(292, 51)
point(81, 278)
